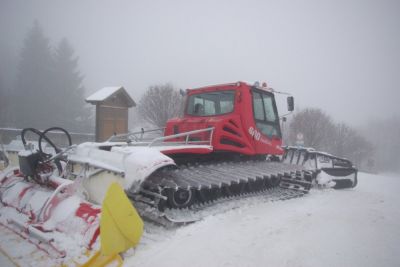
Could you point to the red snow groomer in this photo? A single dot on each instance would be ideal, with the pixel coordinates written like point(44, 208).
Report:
point(227, 144)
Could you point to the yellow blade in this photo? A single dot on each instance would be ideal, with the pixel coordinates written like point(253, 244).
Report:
point(100, 260)
point(120, 225)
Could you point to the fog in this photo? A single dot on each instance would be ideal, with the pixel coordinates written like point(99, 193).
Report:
point(341, 56)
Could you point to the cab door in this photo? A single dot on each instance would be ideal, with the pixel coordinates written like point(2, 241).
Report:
point(267, 133)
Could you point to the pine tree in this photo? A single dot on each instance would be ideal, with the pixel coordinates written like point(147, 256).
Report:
point(68, 90)
point(49, 89)
point(34, 82)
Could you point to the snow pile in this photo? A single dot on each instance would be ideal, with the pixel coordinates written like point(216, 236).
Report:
point(325, 179)
point(354, 227)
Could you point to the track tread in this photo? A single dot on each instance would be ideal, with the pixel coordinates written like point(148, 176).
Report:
point(235, 177)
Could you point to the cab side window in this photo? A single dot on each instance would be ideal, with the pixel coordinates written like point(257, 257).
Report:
point(264, 114)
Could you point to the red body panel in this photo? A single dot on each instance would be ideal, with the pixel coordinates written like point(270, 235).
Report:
point(233, 132)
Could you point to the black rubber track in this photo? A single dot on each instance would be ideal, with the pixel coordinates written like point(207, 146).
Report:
point(210, 181)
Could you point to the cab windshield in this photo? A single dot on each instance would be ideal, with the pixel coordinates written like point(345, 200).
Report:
point(211, 104)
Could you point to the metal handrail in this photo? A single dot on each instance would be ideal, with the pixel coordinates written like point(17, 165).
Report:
point(187, 134)
point(133, 134)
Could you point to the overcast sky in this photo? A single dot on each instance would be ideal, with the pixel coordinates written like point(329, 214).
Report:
point(341, 56)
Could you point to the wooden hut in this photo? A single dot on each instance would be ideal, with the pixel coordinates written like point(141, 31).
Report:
point(112, 104)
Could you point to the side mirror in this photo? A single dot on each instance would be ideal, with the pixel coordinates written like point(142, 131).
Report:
point(290, 103)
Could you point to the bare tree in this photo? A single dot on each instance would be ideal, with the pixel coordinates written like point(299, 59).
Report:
point(316, 127)
point(322, 133)
point(384, 134)
point(350, 144)
point(342, 140)
point(160, 103)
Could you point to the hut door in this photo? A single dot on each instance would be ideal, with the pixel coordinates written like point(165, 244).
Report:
point(113, 120)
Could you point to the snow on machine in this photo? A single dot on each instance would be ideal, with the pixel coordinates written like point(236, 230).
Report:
point(43, 202)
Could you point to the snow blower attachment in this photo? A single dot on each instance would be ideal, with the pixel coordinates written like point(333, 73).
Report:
point(329, 170)
point(43, 205)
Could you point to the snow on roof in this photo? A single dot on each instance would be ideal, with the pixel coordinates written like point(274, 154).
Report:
point(103, 94)
point(107, 92)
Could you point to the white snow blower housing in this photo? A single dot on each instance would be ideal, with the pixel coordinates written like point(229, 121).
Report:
point(51, 201)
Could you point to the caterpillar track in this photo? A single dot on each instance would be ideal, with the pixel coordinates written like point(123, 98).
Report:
point(182, 195)
point(176, 217)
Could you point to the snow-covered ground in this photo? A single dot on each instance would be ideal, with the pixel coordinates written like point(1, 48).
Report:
point(357, 227)
point(354, 227)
